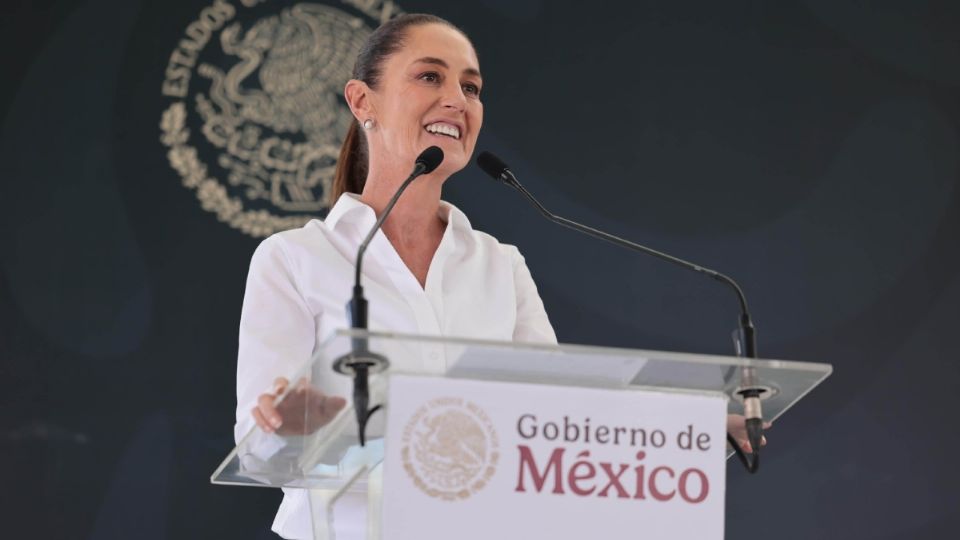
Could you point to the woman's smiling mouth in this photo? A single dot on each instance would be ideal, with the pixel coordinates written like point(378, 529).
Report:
point(442, 128)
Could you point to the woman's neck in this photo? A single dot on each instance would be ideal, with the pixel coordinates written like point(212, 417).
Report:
point(415, 216)
point(414, 227)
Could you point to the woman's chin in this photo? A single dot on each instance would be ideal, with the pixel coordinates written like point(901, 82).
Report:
point(450, 166)
point(454, 156)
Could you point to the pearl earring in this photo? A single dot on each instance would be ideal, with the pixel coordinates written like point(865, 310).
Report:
point(368, 124)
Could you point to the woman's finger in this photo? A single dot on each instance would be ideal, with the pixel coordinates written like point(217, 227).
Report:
point(261, 421)
point(333, 405)
point(327, 407)
point(267, 409)
point(279, 385)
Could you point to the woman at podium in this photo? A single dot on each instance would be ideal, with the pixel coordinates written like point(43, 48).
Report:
point(416, 83)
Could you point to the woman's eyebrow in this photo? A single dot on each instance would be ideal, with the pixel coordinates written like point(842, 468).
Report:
point(441, 62)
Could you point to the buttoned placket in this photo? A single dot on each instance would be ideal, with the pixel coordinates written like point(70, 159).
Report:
point(426, 303)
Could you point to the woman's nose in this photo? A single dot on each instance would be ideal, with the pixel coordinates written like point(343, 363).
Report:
point(454, 98)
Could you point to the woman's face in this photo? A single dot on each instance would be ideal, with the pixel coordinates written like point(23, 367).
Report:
point(428, 95)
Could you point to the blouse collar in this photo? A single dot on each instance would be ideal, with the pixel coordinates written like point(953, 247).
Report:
point(349, 209)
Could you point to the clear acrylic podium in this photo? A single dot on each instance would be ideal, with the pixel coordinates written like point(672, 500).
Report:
point(328, 460)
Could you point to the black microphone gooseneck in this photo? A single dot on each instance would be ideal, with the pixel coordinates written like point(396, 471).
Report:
point(361, 362)
point(746, 335)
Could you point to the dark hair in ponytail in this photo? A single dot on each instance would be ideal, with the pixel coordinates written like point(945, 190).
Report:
point(351, 170)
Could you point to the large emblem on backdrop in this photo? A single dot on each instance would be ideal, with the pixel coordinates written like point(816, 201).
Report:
point(257, 114)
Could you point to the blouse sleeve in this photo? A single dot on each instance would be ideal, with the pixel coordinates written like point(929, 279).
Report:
point(277, 329)
point(533, 325)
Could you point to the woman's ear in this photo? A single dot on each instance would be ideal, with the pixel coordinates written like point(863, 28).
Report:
point(357, 94)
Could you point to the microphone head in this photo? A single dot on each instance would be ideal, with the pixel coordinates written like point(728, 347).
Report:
point(431, 158)
point(492, 165)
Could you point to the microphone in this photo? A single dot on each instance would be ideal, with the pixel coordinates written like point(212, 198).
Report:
point(426, 162)
point(745, 337)
point(361, 362)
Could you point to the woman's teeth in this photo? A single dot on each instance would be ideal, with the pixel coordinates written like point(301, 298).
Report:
point(444, 129)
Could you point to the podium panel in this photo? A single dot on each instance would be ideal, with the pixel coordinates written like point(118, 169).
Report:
point(551, 461)
point(324, 455)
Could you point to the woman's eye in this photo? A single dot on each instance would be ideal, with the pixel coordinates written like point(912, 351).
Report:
point(430, 77)
point(471, 89)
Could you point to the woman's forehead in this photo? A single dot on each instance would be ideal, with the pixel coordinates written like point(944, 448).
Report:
point(441, 42)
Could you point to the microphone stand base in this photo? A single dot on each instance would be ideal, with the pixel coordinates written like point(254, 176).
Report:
point(360, 365)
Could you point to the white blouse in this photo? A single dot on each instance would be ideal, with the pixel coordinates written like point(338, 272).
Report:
point(296, 296)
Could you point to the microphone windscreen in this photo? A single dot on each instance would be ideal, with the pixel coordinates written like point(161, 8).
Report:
point(491, 165)
point(431, 158)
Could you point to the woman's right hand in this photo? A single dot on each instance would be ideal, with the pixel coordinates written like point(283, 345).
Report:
point(288, 417)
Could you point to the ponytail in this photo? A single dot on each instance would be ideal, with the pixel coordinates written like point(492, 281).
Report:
point(350, 173)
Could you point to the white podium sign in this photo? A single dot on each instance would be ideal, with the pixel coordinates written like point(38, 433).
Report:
point(471, 459)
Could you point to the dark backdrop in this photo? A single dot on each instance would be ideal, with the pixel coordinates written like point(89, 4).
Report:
point(808, 148)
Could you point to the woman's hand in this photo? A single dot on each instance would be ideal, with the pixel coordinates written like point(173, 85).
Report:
point(737, 428)
point(304, 410)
